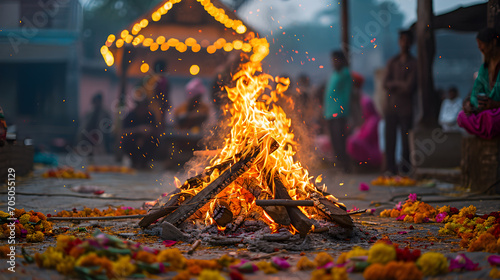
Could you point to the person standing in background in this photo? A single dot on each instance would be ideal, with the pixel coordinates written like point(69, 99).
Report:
point(337, 107)
point(401, 85)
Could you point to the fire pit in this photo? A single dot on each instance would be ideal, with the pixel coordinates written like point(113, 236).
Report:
point(253, 182)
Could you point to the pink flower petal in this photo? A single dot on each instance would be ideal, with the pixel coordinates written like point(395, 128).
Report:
point(169, 243)
point(494, 260)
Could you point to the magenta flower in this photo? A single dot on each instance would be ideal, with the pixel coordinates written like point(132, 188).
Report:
point(401, 218)
point(399, 206)
point(245, 267)
point(280, 263)
point(461, 262)
point(169, 243)
point(440, 217)
point(364, 187)
point(327, 266)
point(412, 197)
point(494, 260)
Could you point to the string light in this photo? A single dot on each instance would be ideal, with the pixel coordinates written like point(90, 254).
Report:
point(260, 47)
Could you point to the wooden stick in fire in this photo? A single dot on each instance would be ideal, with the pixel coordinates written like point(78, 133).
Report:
point(299, 220)
point(209, 192)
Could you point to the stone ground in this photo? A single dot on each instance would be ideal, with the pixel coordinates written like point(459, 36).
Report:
point(148, 185)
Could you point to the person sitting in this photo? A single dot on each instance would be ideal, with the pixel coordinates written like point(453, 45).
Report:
point(194, 112)
point(481, 113)
point(450, 108)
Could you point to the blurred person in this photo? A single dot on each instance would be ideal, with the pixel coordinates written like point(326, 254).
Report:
point(94, 126)
point(400, 84)
point(362, 144)
point(450, 107)
point(157, 87)
point(140, 132)
point(481, 113)
point(356, 115)
point(337, 108)
point(193, 112)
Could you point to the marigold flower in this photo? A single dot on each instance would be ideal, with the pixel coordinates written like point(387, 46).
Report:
point(146, 257)
point(320, 274)
point(123, 266)
point(323, 258)
point(495, 273)
point(339, 273)
point(210, 275)
point(35, 237)
point(174, 257)
point(381, 253)
point(375, 271)
point(66, 266)
point(355, 252)
point(305, 264)
point(432, 264)
point(266, 267)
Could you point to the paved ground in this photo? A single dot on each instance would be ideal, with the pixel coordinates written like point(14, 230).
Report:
point(150, 184)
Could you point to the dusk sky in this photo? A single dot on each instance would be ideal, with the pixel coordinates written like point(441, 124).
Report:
point(284, 12)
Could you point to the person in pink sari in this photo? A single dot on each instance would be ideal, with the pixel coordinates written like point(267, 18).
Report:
point(362, 144)
point(481, 111)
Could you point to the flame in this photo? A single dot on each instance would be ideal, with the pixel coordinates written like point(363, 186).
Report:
point(177, 183)
point(272, 224)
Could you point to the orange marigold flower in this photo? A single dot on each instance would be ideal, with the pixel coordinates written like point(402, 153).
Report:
point(375, 272)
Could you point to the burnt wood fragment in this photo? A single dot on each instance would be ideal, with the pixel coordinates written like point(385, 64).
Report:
point(164, 210)
point(335, 213)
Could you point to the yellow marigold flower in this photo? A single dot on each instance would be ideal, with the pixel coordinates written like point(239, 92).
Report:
point(62, 241)
point(210, 275)
point(35, 237)
point(339, 273)
point(320, 274)
point(305, 264)
point(123, 267)
point(46, 225)
point(266, 267)
point(355, 252)
point(467, 211)
point(4, 215)
point(495, 273)
point(386, 213)
point(444, 209)
point(174, 257)
point(408, 219)
point(66, 266)
point(24, 219)
point(381, 253)
point(432, 264)
point(490, 221)
point(323, 258)
point(51, 257)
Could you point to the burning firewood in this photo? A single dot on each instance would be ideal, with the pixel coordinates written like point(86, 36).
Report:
point(335, 213)
point(190, 206)
point(298, 219)
point(164, 210)
point(278, 214)
point(222, 214)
